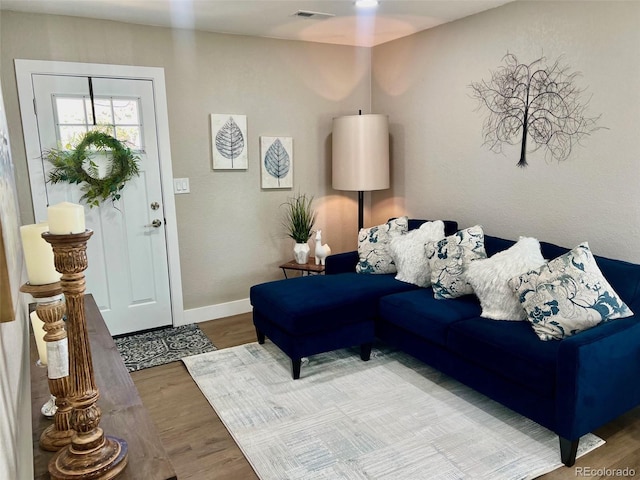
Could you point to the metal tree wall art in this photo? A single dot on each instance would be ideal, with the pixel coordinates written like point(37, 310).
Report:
point(536, 102)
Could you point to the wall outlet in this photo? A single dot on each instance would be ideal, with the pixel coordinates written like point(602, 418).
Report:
point(181, 185)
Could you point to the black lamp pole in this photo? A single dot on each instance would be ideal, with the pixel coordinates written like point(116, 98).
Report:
point(360, 210)
point(360, 202)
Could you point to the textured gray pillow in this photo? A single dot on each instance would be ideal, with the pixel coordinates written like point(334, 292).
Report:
point(409, 254)
point(490, 277)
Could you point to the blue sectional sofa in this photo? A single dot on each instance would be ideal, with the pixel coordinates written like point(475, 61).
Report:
point(571, 386)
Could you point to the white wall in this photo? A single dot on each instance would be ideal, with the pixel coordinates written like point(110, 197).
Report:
point(440, 167)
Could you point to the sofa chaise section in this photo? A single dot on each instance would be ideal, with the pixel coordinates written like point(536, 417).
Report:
point(313, 314)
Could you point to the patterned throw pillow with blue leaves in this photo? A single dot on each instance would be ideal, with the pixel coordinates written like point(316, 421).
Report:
point(373, 246)
point(449, 258)
point(567, 295)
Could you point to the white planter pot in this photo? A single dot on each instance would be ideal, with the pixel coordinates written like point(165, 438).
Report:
point(301, 253)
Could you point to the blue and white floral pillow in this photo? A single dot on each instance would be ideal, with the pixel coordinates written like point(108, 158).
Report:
point(373, 246)
point(449, 258)
point(567, 295)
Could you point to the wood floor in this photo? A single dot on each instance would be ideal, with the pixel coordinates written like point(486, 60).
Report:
point(201, 448)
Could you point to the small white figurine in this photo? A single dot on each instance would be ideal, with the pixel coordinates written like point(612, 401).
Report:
point(322, 251)
point(50, 408)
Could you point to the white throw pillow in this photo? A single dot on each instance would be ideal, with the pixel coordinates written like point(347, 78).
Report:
point(567, 295)
point(373, 246)
point(448, 259)
point(409, 254)
point(490, 278)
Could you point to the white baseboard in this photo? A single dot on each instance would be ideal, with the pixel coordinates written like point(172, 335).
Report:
point(213, 312)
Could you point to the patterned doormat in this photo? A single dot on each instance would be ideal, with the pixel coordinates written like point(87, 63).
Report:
point(166, 345)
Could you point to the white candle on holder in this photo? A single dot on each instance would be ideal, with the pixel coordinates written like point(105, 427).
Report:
point(39, 333)
point(38, 255)
point(65, 218)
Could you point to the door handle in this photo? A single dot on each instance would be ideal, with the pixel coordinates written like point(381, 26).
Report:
point(155, 224)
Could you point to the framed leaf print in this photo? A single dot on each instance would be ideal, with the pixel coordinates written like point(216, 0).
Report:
point(276, 159)
point(229, 141)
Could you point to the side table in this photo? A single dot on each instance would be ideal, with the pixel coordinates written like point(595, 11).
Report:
point(123, 413)
point(310, 267)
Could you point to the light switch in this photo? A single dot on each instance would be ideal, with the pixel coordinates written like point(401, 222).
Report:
point(181, 185)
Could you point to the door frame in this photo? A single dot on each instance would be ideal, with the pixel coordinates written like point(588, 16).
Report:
point(24, 71)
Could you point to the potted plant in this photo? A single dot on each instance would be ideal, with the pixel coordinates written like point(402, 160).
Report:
point(298, 221)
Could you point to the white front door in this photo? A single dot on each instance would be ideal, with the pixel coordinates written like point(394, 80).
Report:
point(128, 268)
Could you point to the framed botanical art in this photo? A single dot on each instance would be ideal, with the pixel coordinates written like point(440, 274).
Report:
point(229, 141)
point(276, 160)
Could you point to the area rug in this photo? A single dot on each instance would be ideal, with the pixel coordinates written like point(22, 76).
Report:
point(392, 417)
point(165, 345)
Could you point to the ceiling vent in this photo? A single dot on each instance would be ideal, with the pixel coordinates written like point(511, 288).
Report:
point(313, 15)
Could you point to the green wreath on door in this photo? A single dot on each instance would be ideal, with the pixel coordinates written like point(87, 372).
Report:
point(76, 167)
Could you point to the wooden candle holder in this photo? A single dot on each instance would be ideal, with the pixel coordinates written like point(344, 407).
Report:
point(50, 309)
point(91, 454)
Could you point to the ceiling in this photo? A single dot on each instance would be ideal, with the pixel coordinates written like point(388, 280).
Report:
point(273, 18)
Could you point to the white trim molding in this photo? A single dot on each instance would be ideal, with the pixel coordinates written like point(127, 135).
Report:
point(214, 312)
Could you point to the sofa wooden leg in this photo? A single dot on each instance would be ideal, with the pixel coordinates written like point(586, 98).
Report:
point(568, 450)
point(260, 336)
point(365, 351)
point(295, 367)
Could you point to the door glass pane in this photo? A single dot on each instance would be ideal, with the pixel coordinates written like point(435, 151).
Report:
point(129, 135)
point(70, 135)
point(118, 117)
point(104, 115)
point(70, 111)
point(125, 112)
point(87, 107)
point(108, 129)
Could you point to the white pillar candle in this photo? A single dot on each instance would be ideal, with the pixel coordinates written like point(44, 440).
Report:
point(38, 255)
point(38, 333)
point(65, 218)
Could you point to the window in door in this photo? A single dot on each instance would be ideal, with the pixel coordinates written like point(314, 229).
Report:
point(117, 116)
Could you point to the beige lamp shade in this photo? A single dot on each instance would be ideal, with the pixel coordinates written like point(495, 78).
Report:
point(360, 160)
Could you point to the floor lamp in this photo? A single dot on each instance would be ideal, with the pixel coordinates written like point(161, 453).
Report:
point(360, 160)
